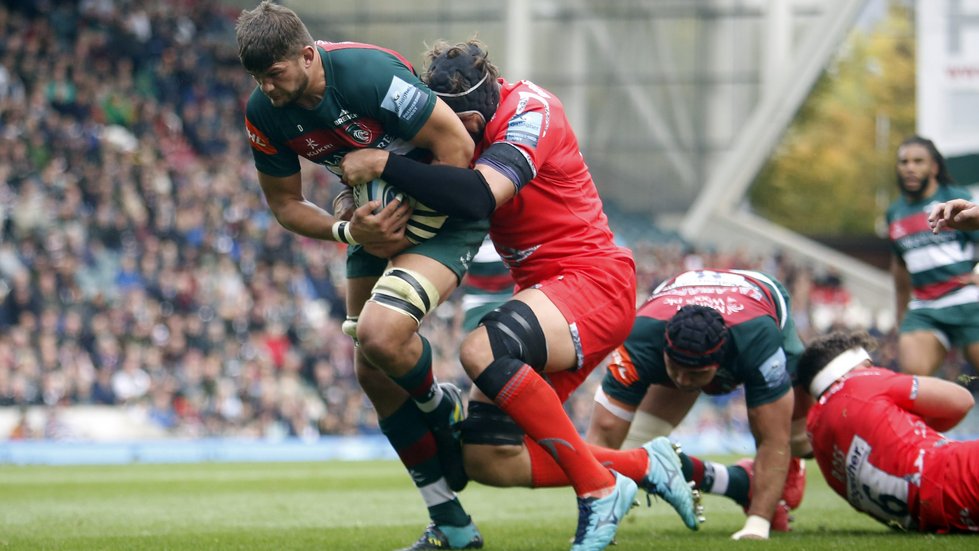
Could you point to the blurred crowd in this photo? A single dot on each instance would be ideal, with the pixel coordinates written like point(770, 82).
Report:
point(139, 265)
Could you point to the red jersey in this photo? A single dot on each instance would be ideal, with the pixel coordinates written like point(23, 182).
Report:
point(555, 222)
point(871, 449)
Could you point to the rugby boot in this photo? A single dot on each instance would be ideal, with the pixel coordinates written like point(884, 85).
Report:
point(448, 537)
point(599, 517)
point(664, 478)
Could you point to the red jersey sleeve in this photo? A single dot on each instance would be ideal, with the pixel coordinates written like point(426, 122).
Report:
point(526, 124)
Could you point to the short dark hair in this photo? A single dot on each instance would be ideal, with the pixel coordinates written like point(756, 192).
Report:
point(268, 34)
point(823, 349)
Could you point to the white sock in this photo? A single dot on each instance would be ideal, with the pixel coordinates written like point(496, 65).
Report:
point(718, 473)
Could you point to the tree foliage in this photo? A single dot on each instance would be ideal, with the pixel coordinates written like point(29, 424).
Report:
point(834, 172)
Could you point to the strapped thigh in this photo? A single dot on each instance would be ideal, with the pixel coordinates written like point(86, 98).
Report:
point(407, 292)
point(488, 424)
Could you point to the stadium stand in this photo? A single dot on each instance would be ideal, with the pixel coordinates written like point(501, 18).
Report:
point(139, 269)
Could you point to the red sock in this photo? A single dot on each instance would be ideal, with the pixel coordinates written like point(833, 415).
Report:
point(546, 473)
point(629, 463)
point(534, 405)
point(698, 471)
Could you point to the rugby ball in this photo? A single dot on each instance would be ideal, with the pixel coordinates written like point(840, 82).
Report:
point(424, 223)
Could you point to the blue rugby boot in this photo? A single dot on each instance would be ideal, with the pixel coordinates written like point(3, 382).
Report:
point(448, 537)
point(599, 517)
point(665, 479)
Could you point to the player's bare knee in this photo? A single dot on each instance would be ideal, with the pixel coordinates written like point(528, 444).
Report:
point(380, 347)
point(405, 297)
point(475, 354)
point(491, 464)
point(368, 376)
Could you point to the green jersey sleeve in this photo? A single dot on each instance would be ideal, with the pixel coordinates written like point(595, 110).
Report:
point(378, 84)
point(761, 361)
point(272, 155)
point(638, 363)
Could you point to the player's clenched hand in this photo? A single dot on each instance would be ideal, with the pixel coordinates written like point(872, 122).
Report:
point(381, 234)
point(362, 166)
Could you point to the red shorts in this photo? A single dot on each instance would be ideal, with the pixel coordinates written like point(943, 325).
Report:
point(949, 495)
point(599, 303)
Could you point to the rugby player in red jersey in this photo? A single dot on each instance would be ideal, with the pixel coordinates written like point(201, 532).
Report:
point(877, 438)
point(575, 292)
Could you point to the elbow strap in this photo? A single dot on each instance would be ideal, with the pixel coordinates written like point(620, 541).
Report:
point(450, 190)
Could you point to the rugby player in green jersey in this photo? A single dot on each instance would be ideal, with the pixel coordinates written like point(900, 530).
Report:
point(321, 100)
point(937, 302)
point(714, 332)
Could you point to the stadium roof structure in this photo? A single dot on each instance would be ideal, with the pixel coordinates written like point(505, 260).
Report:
point(677, 103)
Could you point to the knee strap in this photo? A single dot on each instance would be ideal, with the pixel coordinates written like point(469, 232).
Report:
point(488, 424)
point(407, 292)
point(497, 374)
point(514, 332)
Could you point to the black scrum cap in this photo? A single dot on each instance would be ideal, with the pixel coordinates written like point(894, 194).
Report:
point(695, 336)
point(478, 91)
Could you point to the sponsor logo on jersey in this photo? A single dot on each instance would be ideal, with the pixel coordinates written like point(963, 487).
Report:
point(734, 296)
point(728, 306)
point(871, 489)
point(327, 146)
point(774, 372)
point(359, 132)
point(525, 128)
point(621, 367)
point(403, 99)
point(314, 149)
point(258, 140)
point(344, 117)
point(515, 257)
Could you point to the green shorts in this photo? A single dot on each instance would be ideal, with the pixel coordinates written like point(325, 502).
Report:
point(959, 325)
point(474, 315)
point(454, 247)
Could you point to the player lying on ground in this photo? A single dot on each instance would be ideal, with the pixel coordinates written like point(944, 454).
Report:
point(876, 436)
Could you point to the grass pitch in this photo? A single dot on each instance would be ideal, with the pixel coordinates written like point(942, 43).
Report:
point(366, 506)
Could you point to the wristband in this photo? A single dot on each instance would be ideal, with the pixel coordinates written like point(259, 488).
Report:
point(341, 233)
